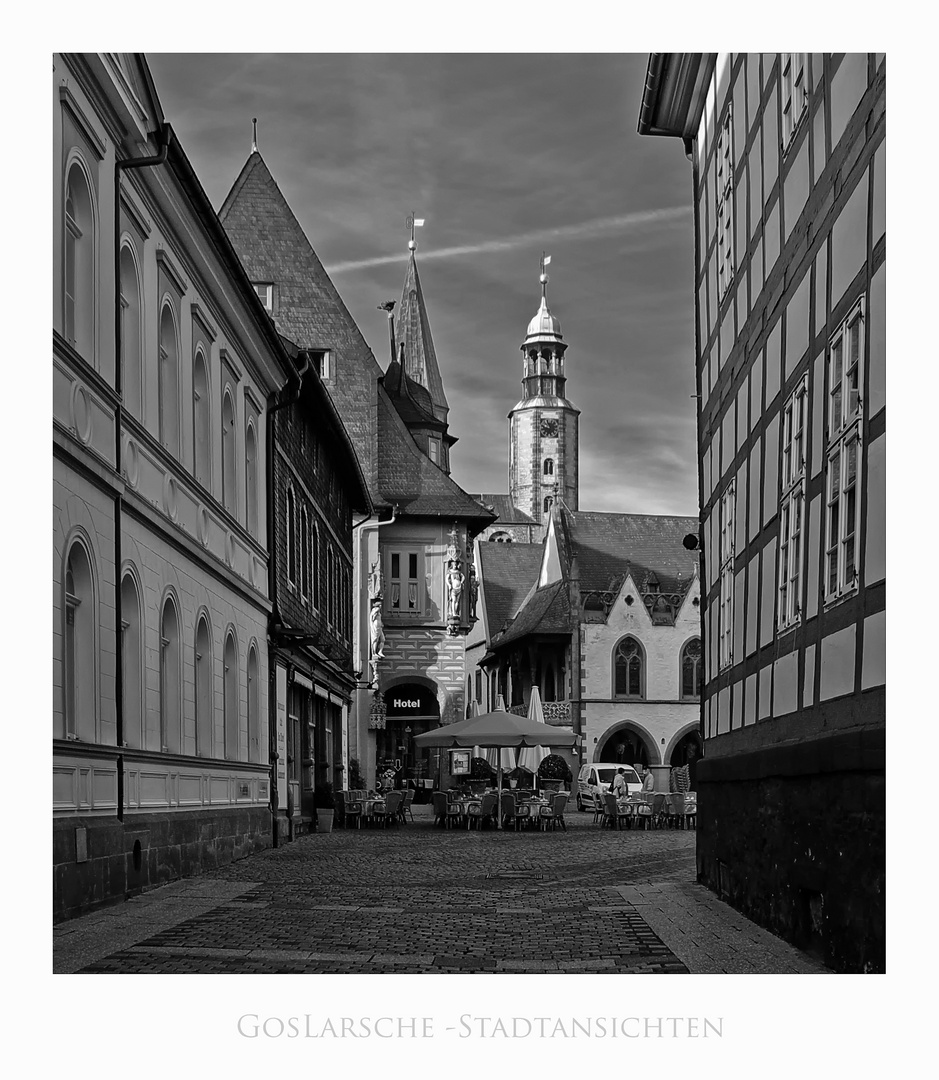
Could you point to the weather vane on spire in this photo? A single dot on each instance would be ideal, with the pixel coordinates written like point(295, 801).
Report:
point(254, 135)
point(413, 223)
point(545, 259)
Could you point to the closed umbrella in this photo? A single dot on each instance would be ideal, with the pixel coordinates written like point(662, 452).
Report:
point(532, 756)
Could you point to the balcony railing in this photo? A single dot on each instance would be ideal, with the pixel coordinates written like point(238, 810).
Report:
point(556, 713)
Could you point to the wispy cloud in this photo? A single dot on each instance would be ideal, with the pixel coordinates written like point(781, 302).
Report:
point(583, 230)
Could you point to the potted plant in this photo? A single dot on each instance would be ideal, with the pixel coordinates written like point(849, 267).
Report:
point(325, 806)
point(552, 772)
point(481, 774)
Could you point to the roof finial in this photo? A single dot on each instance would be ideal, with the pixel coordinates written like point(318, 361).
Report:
point(254, 135)
point(413, 223)
point(545, 259)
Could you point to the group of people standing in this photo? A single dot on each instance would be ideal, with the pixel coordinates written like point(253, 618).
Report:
point(620, 788)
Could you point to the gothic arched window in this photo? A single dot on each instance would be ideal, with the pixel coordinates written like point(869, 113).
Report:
point(548, 503)
point(230, 697)
point(549, 466)
point(205, 718)
point(691, 669)
point(629, 669)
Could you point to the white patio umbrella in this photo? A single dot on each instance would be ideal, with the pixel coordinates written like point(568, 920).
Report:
point(532, 756)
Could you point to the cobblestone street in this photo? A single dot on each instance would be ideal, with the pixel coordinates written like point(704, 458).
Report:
point(423, 900)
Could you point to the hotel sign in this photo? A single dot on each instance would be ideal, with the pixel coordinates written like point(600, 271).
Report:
point(411, 700)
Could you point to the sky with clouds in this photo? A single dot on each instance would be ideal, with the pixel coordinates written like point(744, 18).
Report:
point(503, 155)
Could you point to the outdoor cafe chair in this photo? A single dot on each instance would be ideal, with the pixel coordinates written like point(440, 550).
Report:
point(553, 813)
point(691, 809)
point(508, 807)
point(522, 814)
point(405, 807)
point(445, 811)
point(487, 808)
point(612, 812)
point(474, 813)
point(675, 810)
point(659, 808)
point(350, 809)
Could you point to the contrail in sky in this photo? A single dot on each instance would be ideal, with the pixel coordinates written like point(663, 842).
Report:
point(580, 231)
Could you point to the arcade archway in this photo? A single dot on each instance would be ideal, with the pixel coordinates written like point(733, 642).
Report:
point(628, 743)
point(687, 749)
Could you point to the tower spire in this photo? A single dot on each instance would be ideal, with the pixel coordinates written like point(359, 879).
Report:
point(254, 135)
point(413, 223)
point(545, 259)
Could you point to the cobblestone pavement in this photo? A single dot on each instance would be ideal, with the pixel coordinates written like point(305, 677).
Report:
point(418, 899)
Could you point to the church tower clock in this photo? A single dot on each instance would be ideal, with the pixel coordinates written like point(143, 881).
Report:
point(544, 425)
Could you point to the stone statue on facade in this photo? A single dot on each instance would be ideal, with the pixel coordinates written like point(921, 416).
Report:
point(473, 591)
point(376, 631)
point(375, 585)
point(455, 581)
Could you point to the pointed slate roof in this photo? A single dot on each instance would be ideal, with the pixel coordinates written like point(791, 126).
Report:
point(506, 574)
point(412, 330)
point(410, 398)
point(309, 311)
point(307, 306)
point(609, 545)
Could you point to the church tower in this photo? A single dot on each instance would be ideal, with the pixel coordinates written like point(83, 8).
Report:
point(544, 425)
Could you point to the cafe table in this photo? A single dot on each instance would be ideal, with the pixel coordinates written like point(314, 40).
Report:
point(534, 809)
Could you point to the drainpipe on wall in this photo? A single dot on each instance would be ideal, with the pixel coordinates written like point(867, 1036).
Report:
point(120, 166)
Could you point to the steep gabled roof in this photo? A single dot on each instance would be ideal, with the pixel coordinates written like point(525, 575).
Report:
point(412, 330)
point(547, 612)
point(607, 545)
point(506, 574)
point(307, 306)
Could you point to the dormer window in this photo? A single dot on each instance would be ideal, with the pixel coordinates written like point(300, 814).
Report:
point(265, 291)
point(325, 365)
point(433, 447)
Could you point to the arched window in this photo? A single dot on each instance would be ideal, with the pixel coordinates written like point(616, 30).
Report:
point(291, 526)
point(629, 669)
point(500, 538)
point(231, 698)
point(132, 661)
point(691, 669)
point(170, 679)
point(254, 706)
point(251, 480)
point(548, 503)
point(228, 453)
point(79, 286)
point(169, 381)
point(80, 649)
point(131, 349)
point(549, 466)
point(201, 422)
point(205, 717)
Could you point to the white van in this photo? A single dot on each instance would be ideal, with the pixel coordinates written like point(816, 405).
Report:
point(594, 781)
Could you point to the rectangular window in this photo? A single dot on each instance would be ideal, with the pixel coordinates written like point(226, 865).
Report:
point(266, 293)
point(791, 521)
point(846, 349)
point(725, 206)
point(405, 593)
point(727, 551)
point(325, 363)
point(434, 446)
point(794, 94)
